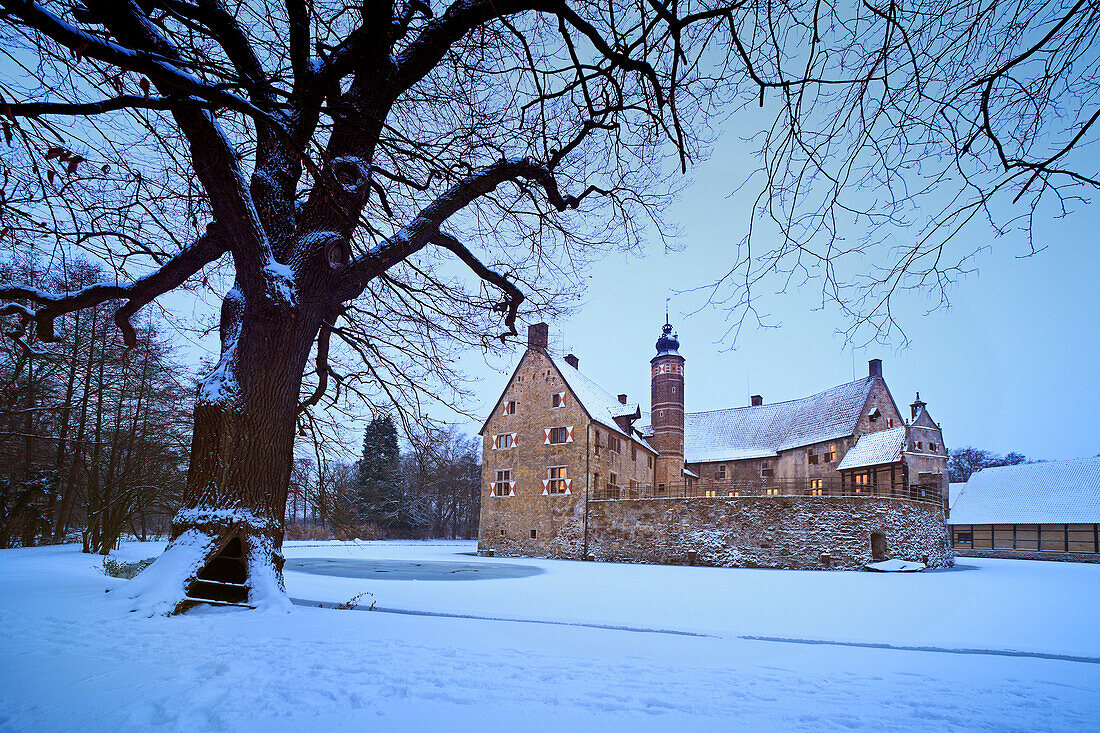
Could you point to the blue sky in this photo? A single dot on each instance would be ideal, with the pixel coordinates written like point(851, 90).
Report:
point(1010, 366)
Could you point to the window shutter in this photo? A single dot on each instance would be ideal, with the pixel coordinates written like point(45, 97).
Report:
point(514, 440)
point(545, 486)
point(569, 434)
point(504, 409)
point(496, 441)
point(562, 399)
point(568, 485)
point(511, 488)
point(547, 441)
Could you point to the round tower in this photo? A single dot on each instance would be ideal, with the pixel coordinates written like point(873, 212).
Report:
point(667, 409)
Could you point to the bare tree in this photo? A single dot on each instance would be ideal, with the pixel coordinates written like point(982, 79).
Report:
point(331, 158)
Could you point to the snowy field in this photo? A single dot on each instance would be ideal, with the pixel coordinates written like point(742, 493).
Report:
point(462, 643)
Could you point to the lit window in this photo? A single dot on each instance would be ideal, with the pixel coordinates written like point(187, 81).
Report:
point(830, 456)
point(811, 457)
point(556, 482)
point(711, 493)
point(772, 492)
point(816, 488)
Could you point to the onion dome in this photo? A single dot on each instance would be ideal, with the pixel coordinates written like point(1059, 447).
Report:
point(668, 343)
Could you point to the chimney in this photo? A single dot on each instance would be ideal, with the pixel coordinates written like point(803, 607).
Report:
point(874, 368)
point(757, 400)
point(622, 399)
point(573, 361)
point(538, 336)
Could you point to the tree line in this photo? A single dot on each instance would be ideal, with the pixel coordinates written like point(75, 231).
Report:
point(431, 489)
point(94, 444)
point(93, 436)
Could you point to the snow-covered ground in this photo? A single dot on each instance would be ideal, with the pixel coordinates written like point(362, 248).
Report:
point(992, 645)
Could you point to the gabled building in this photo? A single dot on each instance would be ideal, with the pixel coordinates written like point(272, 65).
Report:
point(1038, 511)
point(554, 435)
point(557, 446)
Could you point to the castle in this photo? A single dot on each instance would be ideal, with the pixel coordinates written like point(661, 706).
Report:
point(834, 480)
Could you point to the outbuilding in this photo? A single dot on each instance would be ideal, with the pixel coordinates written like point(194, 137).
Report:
point(1041, 511)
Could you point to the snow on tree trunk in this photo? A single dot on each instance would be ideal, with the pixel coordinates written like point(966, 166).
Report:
point(241, 460)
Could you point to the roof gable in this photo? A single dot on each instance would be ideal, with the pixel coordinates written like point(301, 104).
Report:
point(1058, 492)
point(496, 405)
point(875, 449)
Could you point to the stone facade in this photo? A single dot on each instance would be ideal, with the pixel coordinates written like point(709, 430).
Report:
point(530, 512)
point(806, 533)
point(624, 494)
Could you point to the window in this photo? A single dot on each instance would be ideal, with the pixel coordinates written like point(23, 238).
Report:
point(559, 435)
point(918, 445)
point(613, 482)
point(502, 533)
point(557, 400)
point(766, 470)
point(830, 456)
point(711, 493)
point(816, 487)
point(509, 408)
point(772, 492)
point(875, 415)
point(507, 440)
point(534, 534)
point(933, 447)
point(633, 452)
point(596, 442)
point(650, 462)
point(613, 444)
point(556, 480)
point(503, 485)
point(811, 457)
point(861, 482)
point(889, 422)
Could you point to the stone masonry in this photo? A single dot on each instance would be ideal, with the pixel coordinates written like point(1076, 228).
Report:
point(807, 533)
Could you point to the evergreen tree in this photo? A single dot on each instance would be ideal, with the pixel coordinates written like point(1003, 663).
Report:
point(378, 486)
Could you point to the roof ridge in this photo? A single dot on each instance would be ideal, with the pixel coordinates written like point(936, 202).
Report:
point(784, 402)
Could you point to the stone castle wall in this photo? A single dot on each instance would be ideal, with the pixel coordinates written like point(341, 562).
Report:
point(766, 532)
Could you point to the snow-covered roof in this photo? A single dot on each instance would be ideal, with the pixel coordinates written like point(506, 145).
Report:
point(764, 430)
point(688, 472)
point(1058, 492)
point(597, 401)
point(875, 449)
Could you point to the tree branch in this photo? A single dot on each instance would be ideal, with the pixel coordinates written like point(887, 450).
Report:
point(513, 296)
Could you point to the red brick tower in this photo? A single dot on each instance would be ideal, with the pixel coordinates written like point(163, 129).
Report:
point(667, 409)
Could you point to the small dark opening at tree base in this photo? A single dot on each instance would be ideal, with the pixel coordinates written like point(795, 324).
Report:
point(223, 578)
point(878, 546)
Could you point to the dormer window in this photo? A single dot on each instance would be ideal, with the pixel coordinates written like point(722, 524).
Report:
point(874, 415)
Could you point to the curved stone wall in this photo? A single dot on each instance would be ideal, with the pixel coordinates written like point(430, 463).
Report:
point(808, 533)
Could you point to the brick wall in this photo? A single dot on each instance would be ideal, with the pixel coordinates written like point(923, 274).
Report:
point(766, 532)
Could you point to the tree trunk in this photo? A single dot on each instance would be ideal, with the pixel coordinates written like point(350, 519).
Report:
point(241, 458)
